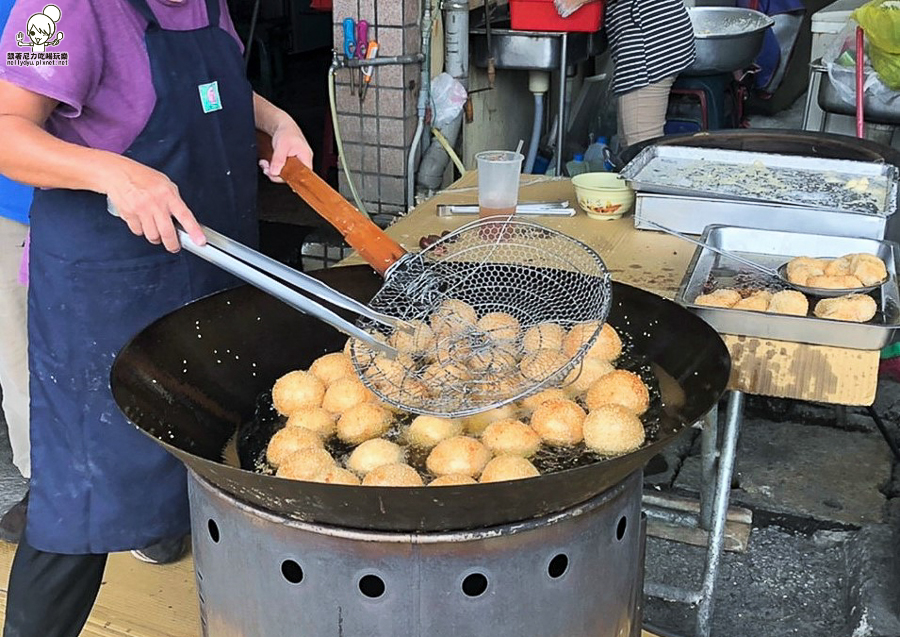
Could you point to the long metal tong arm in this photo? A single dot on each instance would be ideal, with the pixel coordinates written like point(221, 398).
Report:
point(373, 245)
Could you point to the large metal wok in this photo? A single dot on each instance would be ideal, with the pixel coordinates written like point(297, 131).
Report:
point(192, 379)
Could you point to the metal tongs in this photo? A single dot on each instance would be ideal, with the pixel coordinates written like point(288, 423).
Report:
point(283, 282)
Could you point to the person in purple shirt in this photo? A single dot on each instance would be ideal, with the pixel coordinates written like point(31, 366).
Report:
point(143, 107)
point(15, 199)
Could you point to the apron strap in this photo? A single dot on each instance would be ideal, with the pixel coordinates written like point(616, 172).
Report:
point(143, 9)
point(213, 10)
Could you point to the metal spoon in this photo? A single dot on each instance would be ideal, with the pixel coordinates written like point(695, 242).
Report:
point(780, 273)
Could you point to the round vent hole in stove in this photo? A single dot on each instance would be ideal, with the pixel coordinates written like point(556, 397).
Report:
point(371, 586)
point(620, 529)
point(291, 571)
point(213, 530)
point(474, 585)
point(558, 566)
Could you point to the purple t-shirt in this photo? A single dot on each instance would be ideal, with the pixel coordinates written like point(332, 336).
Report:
point(105, 90)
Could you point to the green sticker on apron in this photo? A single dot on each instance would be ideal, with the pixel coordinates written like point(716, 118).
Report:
point(209, 97)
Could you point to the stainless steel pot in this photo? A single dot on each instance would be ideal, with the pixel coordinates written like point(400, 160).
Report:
point(727, 39)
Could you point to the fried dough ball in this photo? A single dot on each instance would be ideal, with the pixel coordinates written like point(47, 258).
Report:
point(499, 326)
point(789, 302)
point(857, 308)
point(362, 422)
point(834, 282)
point(437, 375)
point(543, 363)
point(295, 390)
point(503, 468)
point(374, 453)
point(386, 373)
point(608, 345)
point(364, 353)
point(458, 455)
point(427, 431)
point(393, 475)
point(421, 339)
point(315, 419)
point(814, 267)
point(619, 387)
point(758, 301)
point(590, 370)
point(330, 367)
point(453, 350)
point(543, 336)
point(452, 480)
point(288, 441)
point(512, 438)
point(310, 464)
point(339, 475)
point(477, 423)
point(726, 297)
point(868, 268)
point(802, 274)
point(559, 422)
point(453, 316)
point(492, 386)
point(345, 393)
point(613, 430)
point(838, 267)
point(536, 400)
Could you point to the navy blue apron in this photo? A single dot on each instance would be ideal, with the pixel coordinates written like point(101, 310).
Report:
point(99, 485)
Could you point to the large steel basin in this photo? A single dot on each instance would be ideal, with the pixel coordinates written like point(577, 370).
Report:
point(727, 39)
point(533, 50)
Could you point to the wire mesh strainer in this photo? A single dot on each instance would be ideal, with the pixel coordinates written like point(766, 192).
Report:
point(489, 305)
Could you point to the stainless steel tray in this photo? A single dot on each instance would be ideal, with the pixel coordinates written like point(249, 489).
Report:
point(774, 248)
point(810, 182)
point(691, 215)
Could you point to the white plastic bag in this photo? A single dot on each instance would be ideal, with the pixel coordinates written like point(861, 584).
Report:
point(840, 60)
point(448, 97)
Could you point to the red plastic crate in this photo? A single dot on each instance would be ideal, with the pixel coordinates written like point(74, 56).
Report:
point(541, 15)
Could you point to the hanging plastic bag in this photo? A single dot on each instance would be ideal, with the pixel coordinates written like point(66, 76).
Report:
point(880, 19)
point(840, 61)
point(887, 65)
point(448, 97)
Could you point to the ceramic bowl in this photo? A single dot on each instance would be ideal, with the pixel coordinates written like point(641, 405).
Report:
point(603, 195)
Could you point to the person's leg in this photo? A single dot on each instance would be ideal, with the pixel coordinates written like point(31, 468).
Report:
point(642, 113)
point(51, 595)
point(13, 342)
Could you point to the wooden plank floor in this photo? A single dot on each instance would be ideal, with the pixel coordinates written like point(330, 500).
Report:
point(137, 599)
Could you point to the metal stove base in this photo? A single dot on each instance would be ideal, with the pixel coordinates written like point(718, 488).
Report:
point(578, 573)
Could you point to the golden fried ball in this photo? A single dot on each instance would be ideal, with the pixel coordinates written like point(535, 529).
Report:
point(789, 302)
point(437, 374)
point(295, 390)
point(452, 317)
point(339, 475)
point(477, 423)
point(427, 431)
point(458, 455)
point(511, 437)
point(559, 422)
point(330, 367)
point(758, 301)
point(499, 326)
point(619, 387)
point(288, 441)
point(536, 400)
point(393, 475)
point(498, 357)
point(543, 336)
point(503, 468)
point(451, 480)
point(421, 339)
point(542, 364)
point(493, 386)
point(838, 267)
point(311, 464)
point(868, 268)
point(815, 267)
point(590, 369)
point(613, 430)
point(374, 453)
point(345, 393)
point(856, 308)
point(315, 419)
point(452, 350)
point(726, 297)
point(387, 373)
point(580, 334)
point(834, 282)
point(362, 422)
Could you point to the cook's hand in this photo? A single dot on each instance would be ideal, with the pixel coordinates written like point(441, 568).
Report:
point(147, 201)
point(287, 141)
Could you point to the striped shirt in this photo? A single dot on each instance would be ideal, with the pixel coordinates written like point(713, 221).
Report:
point(650, 40)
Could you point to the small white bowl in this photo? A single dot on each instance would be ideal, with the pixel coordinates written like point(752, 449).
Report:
point(603, 195)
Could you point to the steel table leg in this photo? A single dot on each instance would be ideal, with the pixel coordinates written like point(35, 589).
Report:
point(723, 491)
point(708, 456)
